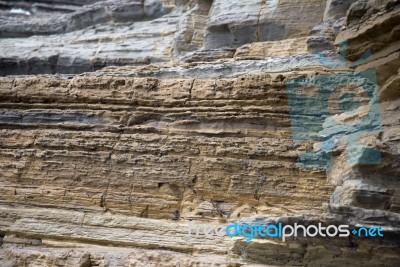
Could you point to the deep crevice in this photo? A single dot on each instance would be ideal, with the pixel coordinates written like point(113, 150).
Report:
point(2, 234)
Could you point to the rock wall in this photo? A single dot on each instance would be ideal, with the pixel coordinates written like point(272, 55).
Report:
point(193, 119)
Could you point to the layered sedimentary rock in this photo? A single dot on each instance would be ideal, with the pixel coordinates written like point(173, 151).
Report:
point(75, 39)
point(108, 168)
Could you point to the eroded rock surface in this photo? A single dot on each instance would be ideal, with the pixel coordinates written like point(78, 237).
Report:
point(193, 120)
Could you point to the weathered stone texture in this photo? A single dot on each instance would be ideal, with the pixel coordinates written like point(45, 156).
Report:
point(191, 120)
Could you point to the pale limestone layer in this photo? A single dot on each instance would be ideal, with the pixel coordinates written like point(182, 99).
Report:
point(74, 38)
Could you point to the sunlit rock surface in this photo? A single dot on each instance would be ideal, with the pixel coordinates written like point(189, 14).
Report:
point(122, 121)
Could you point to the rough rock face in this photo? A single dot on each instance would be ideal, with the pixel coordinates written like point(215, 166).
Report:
point(195, 119)
point(75, 39)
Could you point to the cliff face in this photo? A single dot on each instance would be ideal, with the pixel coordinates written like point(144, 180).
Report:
point(210, 111)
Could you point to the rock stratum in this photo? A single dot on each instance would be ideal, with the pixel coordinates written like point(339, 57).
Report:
point(121, 121)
